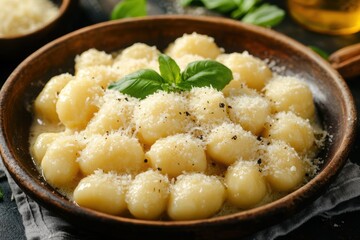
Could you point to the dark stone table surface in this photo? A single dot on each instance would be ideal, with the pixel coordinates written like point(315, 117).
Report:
point(344, 226)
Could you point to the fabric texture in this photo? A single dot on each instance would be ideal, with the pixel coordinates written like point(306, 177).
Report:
point(342, 196)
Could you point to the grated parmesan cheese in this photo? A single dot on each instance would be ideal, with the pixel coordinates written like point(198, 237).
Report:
point(19, 17)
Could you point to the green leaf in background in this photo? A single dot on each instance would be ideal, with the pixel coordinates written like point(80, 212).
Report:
point(185, 3)
point(1, 194)
point(205, 73)
point(222, 6)
point(139, 84)
point(129, 8)
point(243, 7)
point(321, 52)
point(266, 15)
point(169, 69)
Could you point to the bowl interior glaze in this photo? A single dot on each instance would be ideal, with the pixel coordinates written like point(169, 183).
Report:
point(332, 97)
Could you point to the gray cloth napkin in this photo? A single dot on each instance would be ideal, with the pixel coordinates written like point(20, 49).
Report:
point(342, 196)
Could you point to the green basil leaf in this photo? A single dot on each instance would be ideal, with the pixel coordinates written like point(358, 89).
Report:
point(205, 73)
point(243, 7)
point(139, 84)
point(222, 6)
point(129, 8)
point(266, 15)
point(169, 69)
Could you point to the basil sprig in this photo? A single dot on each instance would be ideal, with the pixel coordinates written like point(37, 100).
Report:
point(129, 8)
point(145, 82)
point(249, 11)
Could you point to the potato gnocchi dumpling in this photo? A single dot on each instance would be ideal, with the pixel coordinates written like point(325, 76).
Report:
point(290, 94)
point(195, 44)
point(160, 115)
point(42, 142)
point(100, 75)
point(195, 196)
point(283, 168)
point(45, 103)
point(148, 195)
point(139, 51)
point(245, 184)
point(174, 155)
point(104, 192)
point(77, 104)
point(246, 69)
point(92, 57)
point(250, 111)
point(112, 152)
point(294, 130)
point(59, 164)
point(114, 114)
point(229, 142)
point(207, 106)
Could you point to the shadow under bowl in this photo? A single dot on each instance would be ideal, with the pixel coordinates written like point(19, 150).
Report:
point(332, 98)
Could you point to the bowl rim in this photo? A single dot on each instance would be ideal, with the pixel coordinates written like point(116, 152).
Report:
point(310, 189)
point(64, 6)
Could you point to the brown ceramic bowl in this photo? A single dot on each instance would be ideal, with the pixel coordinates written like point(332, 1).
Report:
point(17, 47)
point(332, 97)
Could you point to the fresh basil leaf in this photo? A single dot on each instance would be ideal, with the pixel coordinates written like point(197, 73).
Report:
point(319, 51)
point(266, 15)
point(129, 8)
point(222, 6)
point(139, 84)
point(169, 69)
point(243, 7)
point(205, 73)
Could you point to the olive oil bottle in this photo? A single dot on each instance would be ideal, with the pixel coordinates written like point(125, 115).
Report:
point(327, 16)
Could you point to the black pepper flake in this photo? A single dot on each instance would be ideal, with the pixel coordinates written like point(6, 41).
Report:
point(126, 99)
point(201, 137)
point(145, 160)
point(259, 161)
point(234, 137)
point(180, 113)
point(259, 138)
point(221, 105)
point(159, 169)
point(230, 107)
point(187, 113)
point(260, 170)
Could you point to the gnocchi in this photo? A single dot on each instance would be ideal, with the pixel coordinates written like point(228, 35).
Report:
point(174, 155)
point(103, 192)
point(195, 196)
point(246, 186)
point(148, 195)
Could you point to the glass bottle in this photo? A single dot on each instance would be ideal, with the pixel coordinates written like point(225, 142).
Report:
point(327, 16)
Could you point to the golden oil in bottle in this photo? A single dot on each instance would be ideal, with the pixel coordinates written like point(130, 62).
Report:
point(327, 16)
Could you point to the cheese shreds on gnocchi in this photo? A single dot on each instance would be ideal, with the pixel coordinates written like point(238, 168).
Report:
point(175, 154)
